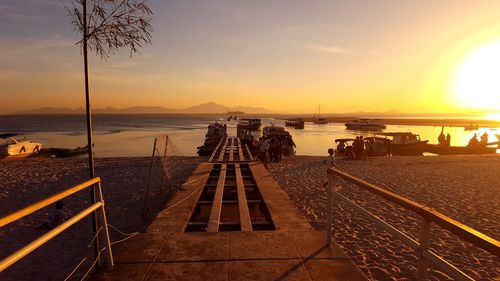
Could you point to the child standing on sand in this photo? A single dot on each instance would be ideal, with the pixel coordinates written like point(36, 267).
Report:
point(329, 162)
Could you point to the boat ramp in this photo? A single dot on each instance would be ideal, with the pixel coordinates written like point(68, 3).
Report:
point(230, 221)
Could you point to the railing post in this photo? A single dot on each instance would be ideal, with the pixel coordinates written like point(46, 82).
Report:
point(424, 240)
point(105, 227)
point(329, 188)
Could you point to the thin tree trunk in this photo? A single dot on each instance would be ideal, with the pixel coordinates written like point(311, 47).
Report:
point(89, 131)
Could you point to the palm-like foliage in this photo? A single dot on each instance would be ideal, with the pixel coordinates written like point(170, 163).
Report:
point(113, 24)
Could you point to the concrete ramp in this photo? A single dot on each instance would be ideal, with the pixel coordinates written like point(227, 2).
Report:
point(217, 228)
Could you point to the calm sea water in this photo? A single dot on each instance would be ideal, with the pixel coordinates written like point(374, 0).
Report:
point(123, 135)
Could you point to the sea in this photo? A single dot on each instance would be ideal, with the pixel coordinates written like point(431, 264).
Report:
point(134, 135)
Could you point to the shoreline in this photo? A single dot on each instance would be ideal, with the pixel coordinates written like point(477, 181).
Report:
point(451, 121)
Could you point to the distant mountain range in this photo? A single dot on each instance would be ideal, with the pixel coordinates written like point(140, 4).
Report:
point(205, 108)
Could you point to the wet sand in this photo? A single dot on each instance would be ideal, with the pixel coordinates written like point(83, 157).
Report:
point(465, 188)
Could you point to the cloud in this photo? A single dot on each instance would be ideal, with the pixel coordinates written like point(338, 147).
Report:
point(327, 49)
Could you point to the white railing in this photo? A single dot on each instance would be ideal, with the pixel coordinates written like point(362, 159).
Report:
point(98, 205)
point(427, 215)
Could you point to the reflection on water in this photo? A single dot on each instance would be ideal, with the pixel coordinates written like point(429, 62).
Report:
point(134, 135)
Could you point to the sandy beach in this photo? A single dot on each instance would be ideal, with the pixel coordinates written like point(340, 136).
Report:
point(466, 188)
point(124, 181)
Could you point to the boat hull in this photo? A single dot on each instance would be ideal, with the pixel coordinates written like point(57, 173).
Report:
point(20, 149)
point(364, 127)
point(415, 148)
point(458, 150)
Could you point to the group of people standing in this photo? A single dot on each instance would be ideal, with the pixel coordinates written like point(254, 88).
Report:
point(444, 140)
point(474, 141)
point(269, 149)
point(356, 151)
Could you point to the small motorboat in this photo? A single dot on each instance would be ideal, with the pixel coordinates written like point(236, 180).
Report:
point(365, 125)
point(16, 146)
point(250, 124)
point(296, 123)
point(471, 127)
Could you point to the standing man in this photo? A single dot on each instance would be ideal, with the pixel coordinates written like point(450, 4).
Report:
point(263, 155)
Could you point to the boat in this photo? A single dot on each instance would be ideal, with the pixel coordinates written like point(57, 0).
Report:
point(405, 143)
point(271, 131)
point(471, 127)
point(459, 150)
point(248, 124)
point(68, 152)
point(16, 146)
point(365, 124)
point(215, 132)
point(288, 146)
point(297, 123)
point(320, 120)
point(377, 146)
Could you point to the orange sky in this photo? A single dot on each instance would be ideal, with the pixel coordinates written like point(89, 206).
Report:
point(287, 56)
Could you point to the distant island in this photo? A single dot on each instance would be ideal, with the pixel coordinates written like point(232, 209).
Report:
point(205, 108)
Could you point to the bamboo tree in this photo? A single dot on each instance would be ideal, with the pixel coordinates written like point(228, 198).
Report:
point(106, 27)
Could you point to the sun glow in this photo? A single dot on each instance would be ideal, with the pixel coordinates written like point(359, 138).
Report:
point(493, 116)
point(477, 81)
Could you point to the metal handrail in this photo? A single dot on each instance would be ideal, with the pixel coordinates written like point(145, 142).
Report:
point(427, 214)
point(19, 254)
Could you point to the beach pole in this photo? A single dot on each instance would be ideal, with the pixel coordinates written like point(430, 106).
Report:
point(329, 188)
point(89, 132)
point(145, 209)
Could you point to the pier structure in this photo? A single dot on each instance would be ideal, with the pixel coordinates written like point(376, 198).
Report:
point(230, 221)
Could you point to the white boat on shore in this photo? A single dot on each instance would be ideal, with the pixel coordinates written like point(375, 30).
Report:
point(18, 147)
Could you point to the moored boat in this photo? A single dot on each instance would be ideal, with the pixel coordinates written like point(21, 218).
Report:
point(248, 124)
point(471, 127)
point(12, 146)
point(216, 131)
point(320, 121)
point(365, 124)
point(297, 123)
point(285, 138)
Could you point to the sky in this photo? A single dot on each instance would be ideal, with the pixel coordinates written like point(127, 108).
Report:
point(283, 55)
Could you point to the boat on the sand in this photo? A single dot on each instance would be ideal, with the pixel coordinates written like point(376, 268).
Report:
point(405, 143)
point(68, 152)
point(16, 146)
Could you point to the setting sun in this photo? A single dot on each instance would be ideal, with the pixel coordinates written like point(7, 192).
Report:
point(476, 82)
